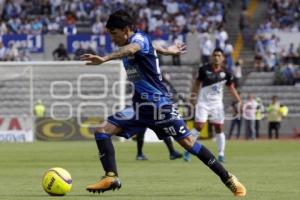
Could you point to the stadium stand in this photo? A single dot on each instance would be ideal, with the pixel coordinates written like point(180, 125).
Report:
point(180, 77)
point(270, 54)
point(67, 84)
point(198, 19)
point(51, 16)
point(268, 73)
point(63, 79)
point(261, 84)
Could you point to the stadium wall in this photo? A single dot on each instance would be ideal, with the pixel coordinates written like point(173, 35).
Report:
point(51, 42)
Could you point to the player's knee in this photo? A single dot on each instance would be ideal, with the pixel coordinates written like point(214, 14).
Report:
point(102, 133)
point(102, 136)
point(108, 129)
point(190, 144)
point(218, 128)
point(100, 130)
point(198, 126)
point(103, 130)
point(195, 149)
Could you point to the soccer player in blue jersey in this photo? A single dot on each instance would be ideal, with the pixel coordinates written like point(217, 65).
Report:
point(151, 102)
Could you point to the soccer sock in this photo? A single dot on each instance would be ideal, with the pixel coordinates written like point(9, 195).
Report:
point(106, 152)
point(169, 144)
point(140, 143)
point(195, 133)
point(209, 160)
point(220, 140)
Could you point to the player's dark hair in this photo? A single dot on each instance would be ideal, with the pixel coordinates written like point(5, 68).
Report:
point(218, 50)
point(119, 20)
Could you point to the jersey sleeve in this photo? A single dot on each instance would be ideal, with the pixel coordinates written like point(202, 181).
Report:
point(201, 74)
point(229, 78)
point(142, 41)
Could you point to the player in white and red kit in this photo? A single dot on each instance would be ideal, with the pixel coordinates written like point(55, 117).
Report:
point(208, 88)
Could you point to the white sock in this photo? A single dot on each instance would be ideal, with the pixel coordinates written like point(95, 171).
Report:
point(220, 140)
point(195, 133)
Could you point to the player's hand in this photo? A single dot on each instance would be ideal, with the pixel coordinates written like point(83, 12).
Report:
point(92, 59)
point(193, 101)
point(177, 49)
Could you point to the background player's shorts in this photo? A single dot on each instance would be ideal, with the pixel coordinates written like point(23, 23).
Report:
point(164, 121)
point(213, 113)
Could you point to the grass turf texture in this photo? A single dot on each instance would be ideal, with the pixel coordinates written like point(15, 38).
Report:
point(269, 169)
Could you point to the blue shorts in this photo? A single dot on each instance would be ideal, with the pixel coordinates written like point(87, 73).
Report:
point(164, 121)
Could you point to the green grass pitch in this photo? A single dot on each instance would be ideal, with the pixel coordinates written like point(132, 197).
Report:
point(269, 169)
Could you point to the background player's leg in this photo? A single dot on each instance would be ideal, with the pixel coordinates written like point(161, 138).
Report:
point(140, 143)
point(217, 120)
point(173, 154)
point(220, 140)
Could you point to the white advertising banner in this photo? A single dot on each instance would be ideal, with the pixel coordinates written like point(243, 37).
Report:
point(16, 129)
point(150, 136)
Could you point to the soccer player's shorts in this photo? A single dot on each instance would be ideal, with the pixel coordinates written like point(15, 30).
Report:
point(213, 113)
point(164, 121)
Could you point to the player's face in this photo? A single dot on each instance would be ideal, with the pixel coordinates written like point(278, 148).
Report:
point(119, 36)
point(218, 58)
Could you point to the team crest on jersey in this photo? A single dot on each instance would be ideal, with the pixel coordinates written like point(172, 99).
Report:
point(222, 74)
point(133, 73)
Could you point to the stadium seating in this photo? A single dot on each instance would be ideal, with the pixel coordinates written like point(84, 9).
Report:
point(180, 77)
point(15, 90)
point(261, 85)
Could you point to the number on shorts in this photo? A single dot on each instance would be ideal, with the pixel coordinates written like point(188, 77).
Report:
point(170, 130)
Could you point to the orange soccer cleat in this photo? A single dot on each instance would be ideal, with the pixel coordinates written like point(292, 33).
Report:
point(108, 182)
point(236, 187)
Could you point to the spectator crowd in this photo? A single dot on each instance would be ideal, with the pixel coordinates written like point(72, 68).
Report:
point(166, 17)
point(282, 16)
point(153, 16)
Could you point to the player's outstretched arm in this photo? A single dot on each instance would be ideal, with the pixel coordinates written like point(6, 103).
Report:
point(126, 50)
point(234, 93)
point(175, 49)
